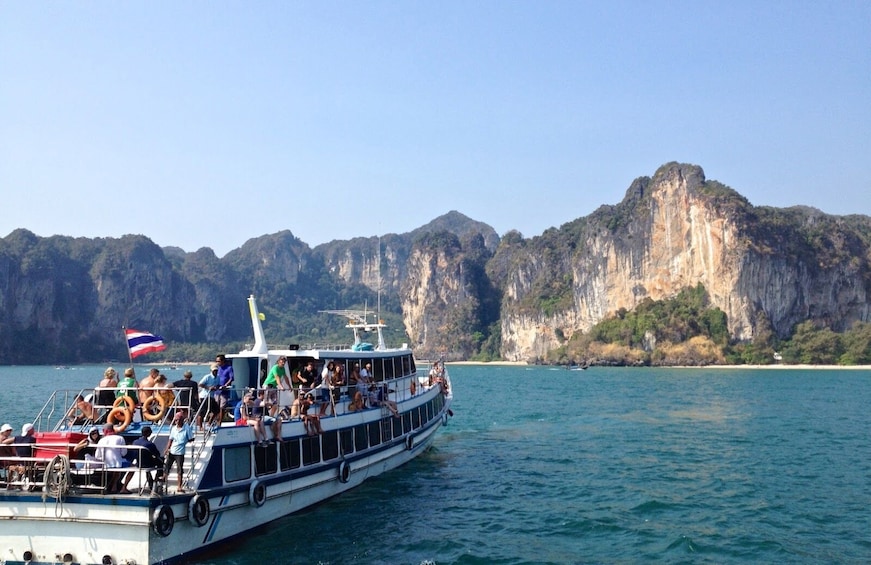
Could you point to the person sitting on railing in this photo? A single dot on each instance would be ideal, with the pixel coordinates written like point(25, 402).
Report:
point(259, 418)
point(82, 412)
point(357, 403)
point(378, 397)
point(312, 422)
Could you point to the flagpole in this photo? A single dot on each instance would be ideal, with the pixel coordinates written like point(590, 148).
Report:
point(127, 345)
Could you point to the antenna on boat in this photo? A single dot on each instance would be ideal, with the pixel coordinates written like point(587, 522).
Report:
point(256, 317)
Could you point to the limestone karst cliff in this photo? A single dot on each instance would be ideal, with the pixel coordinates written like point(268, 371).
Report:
point(673, 231)
point(457, 286)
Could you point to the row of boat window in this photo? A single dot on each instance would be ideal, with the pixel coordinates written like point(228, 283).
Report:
point(382, 368)
point(297, 452)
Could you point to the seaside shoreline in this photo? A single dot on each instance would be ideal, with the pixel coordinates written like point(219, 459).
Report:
point(774, 367)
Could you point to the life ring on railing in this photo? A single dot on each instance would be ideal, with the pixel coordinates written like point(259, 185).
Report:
point(120, 415)
point(257, 494)
point(344, 472)
point(127, 401)
point(148, 405)
point(163, 520)
point(198, 510)
point(413, 387)
point(409, 442)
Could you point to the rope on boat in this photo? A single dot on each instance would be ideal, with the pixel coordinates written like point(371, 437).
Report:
point(57, 481)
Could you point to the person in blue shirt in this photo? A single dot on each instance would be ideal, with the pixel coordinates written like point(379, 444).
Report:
point(179, 435)
point(225, 379)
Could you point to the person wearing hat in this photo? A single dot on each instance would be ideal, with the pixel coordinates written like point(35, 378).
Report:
point(24, 442)
point(208, 393)
point(10, 471)
point(179, 435)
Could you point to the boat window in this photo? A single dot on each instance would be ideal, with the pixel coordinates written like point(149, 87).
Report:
point(290, 455)
point(311, 450)
point(388, 369)
point(428, 411)
point(406, 364)
point(415, 418)
point(346, 438)
point(330, 443)
point(377, 369)
point(413, 366)
point(374, 433)
point(406, 422)
point(387, 429)
point(397, 427)
point(361, 438)
point(265, 459)
point(237, 463)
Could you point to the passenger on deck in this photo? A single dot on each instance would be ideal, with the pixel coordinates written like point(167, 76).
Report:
point(148, 383)
point(111, 450)
point(128, 386)
point(226, 378)
point(338, 381)
point(13, 470)
point(378, 397)
point(323, 387)
point(24, 442)
point(82, 412)
point(357, 403)
point(187, 392)
point(86, 450)
point(261, 411)
point(208, 394)
point(312, 422)
point(307, 376)
point(276, 379)
point(179, 436)
point(105, 393)
point(240, 411)
point(364, 380)
point(147, 456)
point(354, 375)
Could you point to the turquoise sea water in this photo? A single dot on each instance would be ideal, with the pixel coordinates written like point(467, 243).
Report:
point(543, 465)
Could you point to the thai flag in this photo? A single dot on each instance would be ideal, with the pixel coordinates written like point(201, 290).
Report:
point(141, 343)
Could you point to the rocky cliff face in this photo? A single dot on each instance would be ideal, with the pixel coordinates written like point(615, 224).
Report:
point(457, 284)
point(670, 232)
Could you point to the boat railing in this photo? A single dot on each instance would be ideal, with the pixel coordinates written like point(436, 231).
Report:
point(57, 467)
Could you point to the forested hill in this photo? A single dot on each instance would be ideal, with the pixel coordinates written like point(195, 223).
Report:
point(455, 289)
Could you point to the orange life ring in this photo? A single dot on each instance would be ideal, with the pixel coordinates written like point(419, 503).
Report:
point(127, 401)
point(149, 404)
point(118, 414)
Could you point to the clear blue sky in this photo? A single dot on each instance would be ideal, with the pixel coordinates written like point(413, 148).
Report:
point(204, 124)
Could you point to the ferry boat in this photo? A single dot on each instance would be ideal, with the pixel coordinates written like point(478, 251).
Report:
point(55, 506)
